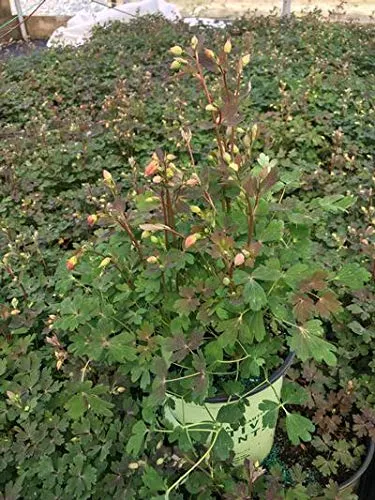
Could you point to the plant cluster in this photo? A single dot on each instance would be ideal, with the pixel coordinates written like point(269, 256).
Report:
point(76, 409)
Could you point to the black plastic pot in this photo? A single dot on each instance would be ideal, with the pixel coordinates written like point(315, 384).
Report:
point(356, 481)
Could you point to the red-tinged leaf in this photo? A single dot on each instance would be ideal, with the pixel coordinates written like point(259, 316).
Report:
point(303, 307)
point(200, 382)
point(229, 111)
point(187, 292)
point(327, 304)
point(271, 179)
point(207, 62)
point(186, 306)
point(251, 186)
point(181, 346)
point(315, 282)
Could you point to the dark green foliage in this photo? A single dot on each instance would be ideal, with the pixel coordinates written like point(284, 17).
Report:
point(72, 423)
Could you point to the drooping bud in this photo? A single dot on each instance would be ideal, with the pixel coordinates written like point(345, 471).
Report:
point(92, 219)
point(151, 168)
point(190, 241)
point(228, 47)
point(176, 50)
point(71, 263)
point(239, 259)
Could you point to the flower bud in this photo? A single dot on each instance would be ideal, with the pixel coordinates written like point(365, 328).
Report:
point(227, 157)
point(176, 50)
point(92, 219)
point(239, 259)
point(157, 179)
point(145, 234)
point(211, 107)
point(151, 168)
point(254, 132)
point(228, 47)
point(195, 209)
point(105, 262)
point(194, 42)
point(235, 149)
point(154, 239)
point(133, 466)
point(108, 179)
point(170, 172)
point(209, 53)
point(152, 259)
point(233, 166)
point(190, 241)
point(226, 281)
point(71, 263)
point(245, 60)
point(176, 65)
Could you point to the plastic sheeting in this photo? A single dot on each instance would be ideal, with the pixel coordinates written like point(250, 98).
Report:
point(79, 27)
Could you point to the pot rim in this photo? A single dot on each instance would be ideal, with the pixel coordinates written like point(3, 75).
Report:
point(280, 372)
point(359, 473)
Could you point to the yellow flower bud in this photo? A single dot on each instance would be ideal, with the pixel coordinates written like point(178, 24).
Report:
point(245, 60)
point(226, 281)
point(145, 234)
point(176, 50)
point(195, 209)
point(235, 149)
point(227, 157)
point(176, 65)
point(211, 107)
point(105, 262)
point(228, 47)
point(194, 42)
point(152, 259)
point(233, 166)
point(254, 132)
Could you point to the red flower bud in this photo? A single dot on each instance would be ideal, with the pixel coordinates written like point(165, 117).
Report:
point(190, 241)
point(71, 263)
point(92, 219)
point(151, 168)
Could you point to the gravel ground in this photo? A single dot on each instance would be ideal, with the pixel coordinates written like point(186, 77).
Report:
point(53, 7)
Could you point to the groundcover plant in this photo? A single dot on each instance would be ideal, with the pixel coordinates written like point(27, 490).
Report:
point(73, 415)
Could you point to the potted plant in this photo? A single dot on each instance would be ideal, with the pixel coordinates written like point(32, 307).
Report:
point(202, 283)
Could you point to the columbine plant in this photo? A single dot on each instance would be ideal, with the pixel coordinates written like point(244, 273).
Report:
point(207, 277)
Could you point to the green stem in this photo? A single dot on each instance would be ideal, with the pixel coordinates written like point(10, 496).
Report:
point(187, 473)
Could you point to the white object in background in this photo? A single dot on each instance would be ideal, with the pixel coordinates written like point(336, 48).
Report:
point(286, 9)
point(21, 20)
point(79, 27)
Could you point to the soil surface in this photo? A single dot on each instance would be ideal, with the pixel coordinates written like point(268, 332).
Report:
point(20, 48)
